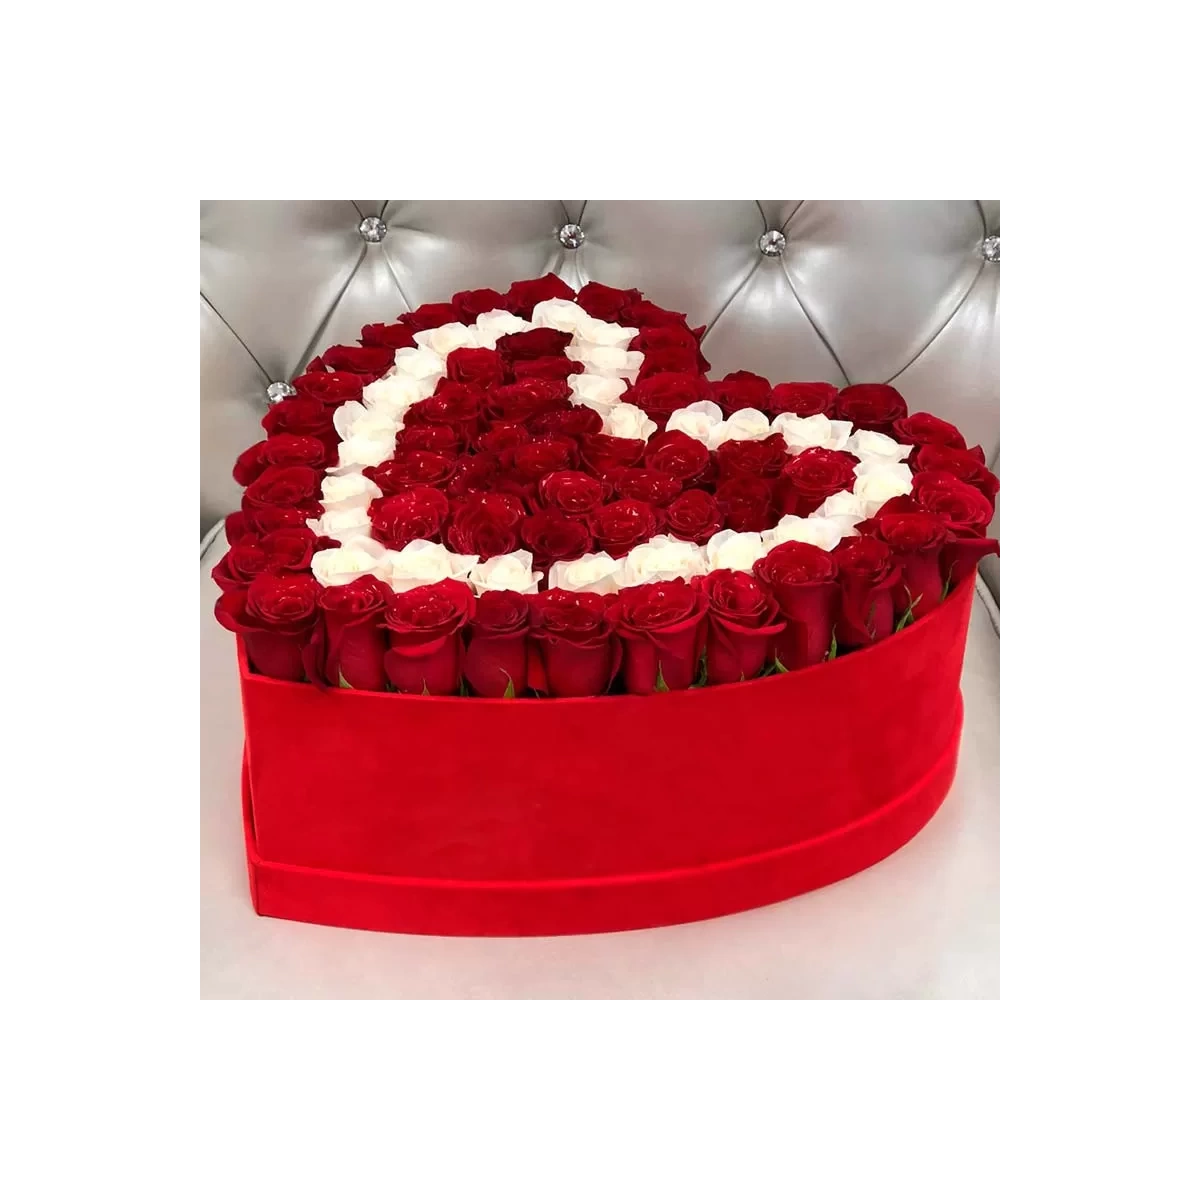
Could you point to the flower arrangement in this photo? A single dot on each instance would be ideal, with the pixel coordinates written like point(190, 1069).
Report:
point(541, 493)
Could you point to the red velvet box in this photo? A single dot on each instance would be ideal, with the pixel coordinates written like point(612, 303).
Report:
point(448, 815)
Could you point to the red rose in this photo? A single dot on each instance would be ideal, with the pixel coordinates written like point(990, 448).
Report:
point(303, 416)
point(660, 395)
point(871, 406)
point(917, 540)
point(442, 439)
point(521, 401)
point(275, 616)
point(371, 361)
point(764, 459)
point(459, 405)
point(662, 628)
point(403, 517)
point(601, 452)
point(693, 516)
point(868, 574)
point(803, 580)
point(330, 387)
point(656, 488)
point(282, 450)
point(746, 504)
point(962, 464)
point(285, 487)
point(267, 520)
point(553, 538)
point(740, 389)
point(525, 293)
point(472, 473)
point(965, 509)
point(811, 477)
point(289, 548)
point(606, 303)
point(743, 618)
point(244, 561)
point(572, 492)
point(647, 315)
point(411, 468)
point(355, 641)
point(574, 422)
point(546, 368)
point(428, 316)
point(679, 454)
point(574, 633)
point(497, 655)
point(539, 457)
point(668, 348)
point(473, 304)
point(482, 367)
point(425, 630)
point(532, 344)
point(623, 524)
point(485, 523)
point(504, 435)
point(962, 553)
point(394, 337)
point(924, 429)
point(803, 399)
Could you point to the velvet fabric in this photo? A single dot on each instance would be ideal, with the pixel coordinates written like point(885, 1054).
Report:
point(479, 817)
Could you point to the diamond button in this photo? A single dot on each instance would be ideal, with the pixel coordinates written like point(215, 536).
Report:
point(772, 243)
point(373, 229)
point(572, 236)
point(279, 391)
point(990, 249)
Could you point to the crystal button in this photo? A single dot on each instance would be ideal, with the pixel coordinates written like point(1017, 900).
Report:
point(991, 248)
point(572, 236)
point(372, 229)
point(279, 391)
point(772, 243)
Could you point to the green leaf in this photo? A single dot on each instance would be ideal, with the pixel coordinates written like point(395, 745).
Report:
point(702, 677)
point(509, 691)
point(660, 684)
point(424, 688)
point(907, 618)
point(780, 669)
point(462, 688)
point(946, 590)
point(832, 649)
point(870, 621)
point(342, 681)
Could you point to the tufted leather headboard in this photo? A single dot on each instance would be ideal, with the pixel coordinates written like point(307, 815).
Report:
point(902, 291)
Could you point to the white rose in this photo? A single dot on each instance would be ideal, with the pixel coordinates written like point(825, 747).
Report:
point(506, 573)
point(422, 562)
point(876, 483)
point(732, 551)
point(395, 395)
point(353, 420)
point(868, 446)
point(493, 325)
point(347, 562)
point(602, 333)
point(348, 491)
point(825, 532)
point(846, 509)
point(801, 433)
point(662, 557)
point(596, 391)
point(628, 421)
point(745, 425)
point(342, 524)
point(563, 315)
point(447, 338)
point(418, 362)
point(598, 573)
point(700, 420)
point(606, 360)
point(359, 452)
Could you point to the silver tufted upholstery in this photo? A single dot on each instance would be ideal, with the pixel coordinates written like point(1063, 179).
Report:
point(846, 291)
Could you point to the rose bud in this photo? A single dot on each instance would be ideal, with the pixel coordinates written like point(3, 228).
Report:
point(579, 651)
point(606, 303)
point(801, 399)
point(868, 575)
point(662, 628)
point(275, 617)
point(874, 406)
point(355, 640)
point(693, 516)
point(483, 368)
point(661, 395)
point(368, 361)
point(284, 487)
point(962, 464)
point(743, 618)
point(676, 453)
point(497, 654)
point(924, 429)
point(525, 294)
point(965, 509)
point(394, 337)
point(552, 538)
point(811, 477)
point(425, 627)
point(472, 304)
point(404, 517)
point(621, 525)
point(601, 452)
point(746, 504)
point(917, 541)
point(740, 389)
point(803, 580)
point(485, 523)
